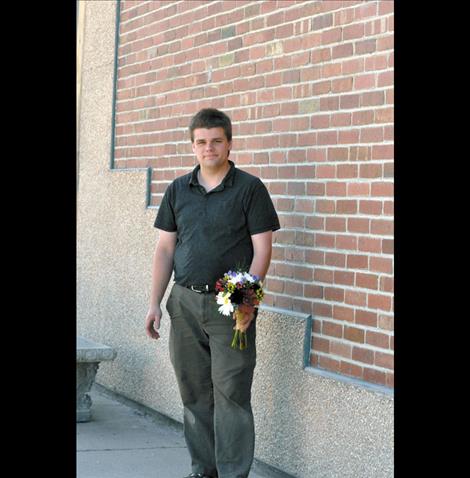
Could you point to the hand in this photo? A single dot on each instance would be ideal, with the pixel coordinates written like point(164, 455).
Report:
point(248, 315)
point(152, 322)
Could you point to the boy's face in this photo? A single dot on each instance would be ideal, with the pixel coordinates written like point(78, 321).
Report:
point(211, 147)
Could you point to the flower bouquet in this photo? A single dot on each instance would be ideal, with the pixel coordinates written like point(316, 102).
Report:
point(234, 289)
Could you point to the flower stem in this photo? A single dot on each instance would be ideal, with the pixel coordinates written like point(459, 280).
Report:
point(235, 339)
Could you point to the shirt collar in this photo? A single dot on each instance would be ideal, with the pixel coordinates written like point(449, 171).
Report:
point(227, 181)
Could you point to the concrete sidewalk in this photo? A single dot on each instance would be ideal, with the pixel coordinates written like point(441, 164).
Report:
point(123, 441)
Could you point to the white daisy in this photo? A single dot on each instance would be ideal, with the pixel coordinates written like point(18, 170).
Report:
point(223, 299)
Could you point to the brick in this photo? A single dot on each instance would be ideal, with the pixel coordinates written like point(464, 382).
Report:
point(325, 240)
point(323, 275)
point(370, 207)
point(315, 223)
point(385, 78)
point(378, 301)
point(319, 22)
point(386, 284)
point(370, 171)
point(322, 310)
point(355, 298)
point(329, 364)
point(387, 246)
point(386, 7)
point(377, 339)
point(330, 69)
point(384, 115)
point(309, 106)
point(384, 360)
point(364, 317)
point(342, 50)
point(284, 31)
point(374, 376)
point(303, 273)
point(275, 286)
point(338, 154)
point(385, 43)
point(358, 189)
point(344, 278)
point(346, 171)
point(344, 16)
point(386, 322)
point(329, 103)
point(349, 101)
point(354, 334)
point(351, 32)
point(335, 224)
point(343, 313)
point(346, 242)
point(313, 291)
point(227, 59)
point(335, 259)
point(355, 65)
point(341, 85)
point(341, 349)
point(332, 329)
point(381, 226)
point(355, 261)
point(374, 98)
point(365, 82)
point(336, 189)
point(381, 264)
point(363, 355)
point(362, 117)
point(367, 281)
point(371, 135)
point(320, 121)
point(351, 369)
point(341, 119)
point(314, 358)
point(382, 151)
point(369, 244)
point(320, 56)
point(331, 36)
point(385, 189)
point(316, 189)
point(365, 46)
point(346, 207)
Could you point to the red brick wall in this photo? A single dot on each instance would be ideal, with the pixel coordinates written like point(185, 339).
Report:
point(309, 88)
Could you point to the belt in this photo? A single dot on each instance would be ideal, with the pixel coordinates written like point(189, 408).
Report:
point(200, 289)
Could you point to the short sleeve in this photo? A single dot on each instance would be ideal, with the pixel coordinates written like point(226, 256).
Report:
point(166, 217)
point(260, 213)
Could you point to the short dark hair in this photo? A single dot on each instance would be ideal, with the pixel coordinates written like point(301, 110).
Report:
point(211, 118)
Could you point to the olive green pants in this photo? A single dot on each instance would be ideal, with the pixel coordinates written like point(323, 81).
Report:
point(214, 381)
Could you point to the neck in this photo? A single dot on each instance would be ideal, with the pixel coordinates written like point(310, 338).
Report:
point(214, 174)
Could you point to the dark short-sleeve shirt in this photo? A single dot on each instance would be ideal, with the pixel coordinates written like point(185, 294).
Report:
point(214, 228)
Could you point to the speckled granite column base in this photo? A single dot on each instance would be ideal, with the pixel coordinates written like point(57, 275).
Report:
point(86, 373)
point(89, 355)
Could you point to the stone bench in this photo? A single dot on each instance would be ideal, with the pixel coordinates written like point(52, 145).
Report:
point(89, 355)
